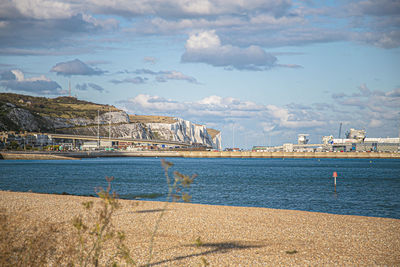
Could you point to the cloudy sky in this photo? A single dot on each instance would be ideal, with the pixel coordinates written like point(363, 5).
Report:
point(261, 71)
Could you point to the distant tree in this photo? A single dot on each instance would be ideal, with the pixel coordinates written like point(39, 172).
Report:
point(13, 145)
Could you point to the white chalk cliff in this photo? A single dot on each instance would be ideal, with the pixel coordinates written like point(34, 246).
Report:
point(114, 123)
point(180, 130)
point(185, 131)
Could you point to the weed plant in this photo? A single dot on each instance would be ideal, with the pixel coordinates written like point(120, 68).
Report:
point(176, 191)
point(93, 239)
point(97, 232)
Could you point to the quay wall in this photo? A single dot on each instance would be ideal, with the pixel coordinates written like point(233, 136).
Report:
point(249, 154)
point(31, 156)
point(195, 154)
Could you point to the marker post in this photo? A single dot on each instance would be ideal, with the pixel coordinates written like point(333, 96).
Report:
point(334, 177)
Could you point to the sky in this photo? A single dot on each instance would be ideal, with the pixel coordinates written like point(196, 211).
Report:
point(260, 71)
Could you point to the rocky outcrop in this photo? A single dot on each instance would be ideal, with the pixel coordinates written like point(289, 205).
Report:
point(104, 118)
point(128, 130)
point(24, 119)
point(114, 117)
point(16, 118)
point(217, 141)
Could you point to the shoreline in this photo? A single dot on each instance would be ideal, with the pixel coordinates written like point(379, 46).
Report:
point(48, 155)
point(245, 236)
point(150, 199)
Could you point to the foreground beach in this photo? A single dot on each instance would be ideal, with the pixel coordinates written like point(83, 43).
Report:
point(230, 236)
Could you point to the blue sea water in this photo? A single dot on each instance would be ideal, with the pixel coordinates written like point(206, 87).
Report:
point(364, 186)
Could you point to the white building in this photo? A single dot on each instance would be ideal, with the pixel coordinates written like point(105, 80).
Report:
point(288, 147)
point(302, 139)
point(90, 145)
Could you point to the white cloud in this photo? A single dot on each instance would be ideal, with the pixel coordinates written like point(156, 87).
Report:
point(388, 39)
point(96, 87)
point(75, 67)
point(206, 47)
point(385, 102)
point(44, 9)
point(186, 25)
point(247, 26)
point(145, 103)
point(3, 24)
point(371, 109)
point(211, 100)
point(278, 113)
point(49, 26)
point(174, 75)
point(203, 40)
point(268, 126)
point(302, 124)
point(394, 93)
point(376, 8)
point(164, 75)
point(151, 60)
point(374, 123)
point(19, 76)
point(188, 8)
point(135, 80)
point(14, 80)
point(107, 24)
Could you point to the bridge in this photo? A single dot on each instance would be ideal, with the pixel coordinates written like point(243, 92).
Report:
point(74, 138)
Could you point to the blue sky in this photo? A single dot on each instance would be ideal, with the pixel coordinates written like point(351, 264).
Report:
point(262, 71)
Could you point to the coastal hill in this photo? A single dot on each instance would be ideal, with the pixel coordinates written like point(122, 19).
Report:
point(64, 106)
point(70, 115)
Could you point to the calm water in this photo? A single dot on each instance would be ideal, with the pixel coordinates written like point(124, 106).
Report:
point(364, 187)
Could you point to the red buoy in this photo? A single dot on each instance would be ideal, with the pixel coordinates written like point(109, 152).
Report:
point(334, 177)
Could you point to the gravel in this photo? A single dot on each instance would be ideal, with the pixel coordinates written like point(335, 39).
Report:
point(231, 236)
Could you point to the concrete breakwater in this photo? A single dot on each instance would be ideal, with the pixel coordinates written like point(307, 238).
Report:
point(195, 154)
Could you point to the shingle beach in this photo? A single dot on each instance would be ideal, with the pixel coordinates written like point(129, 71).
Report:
point(230, 236)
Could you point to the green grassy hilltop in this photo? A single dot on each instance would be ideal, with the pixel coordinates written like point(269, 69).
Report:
point(64, 106)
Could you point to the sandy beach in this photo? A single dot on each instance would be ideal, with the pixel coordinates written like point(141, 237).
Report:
point(228, 236)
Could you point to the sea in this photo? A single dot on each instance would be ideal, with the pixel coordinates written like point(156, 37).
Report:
point(366, 187)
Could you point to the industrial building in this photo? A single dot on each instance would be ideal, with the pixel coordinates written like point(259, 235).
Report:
point(356, 141)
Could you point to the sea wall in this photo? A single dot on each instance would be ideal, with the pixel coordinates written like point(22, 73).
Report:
point(197, 154)
point(250, 154)
point(32, 156)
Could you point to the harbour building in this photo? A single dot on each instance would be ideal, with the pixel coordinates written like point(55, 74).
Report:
point(356, 141)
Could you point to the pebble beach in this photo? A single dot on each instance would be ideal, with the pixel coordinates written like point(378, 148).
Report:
point(195, 235)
